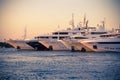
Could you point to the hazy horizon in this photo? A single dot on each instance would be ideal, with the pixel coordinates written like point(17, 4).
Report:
point(44, 16)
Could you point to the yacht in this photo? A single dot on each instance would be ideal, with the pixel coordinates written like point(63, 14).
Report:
point(71, 42)
point(100, 44)
point(53, 41)
point(19, 44)
point(103, 42)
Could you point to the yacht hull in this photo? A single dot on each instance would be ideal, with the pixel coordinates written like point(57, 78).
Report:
point(19, 44)
point(53, 44)
point(69, 44)
point(37, 45)
point(100, 45)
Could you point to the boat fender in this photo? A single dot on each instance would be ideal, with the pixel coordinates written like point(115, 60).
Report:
point(18, 47)
point(50, 47)
point(72, 48)
point(83, 50)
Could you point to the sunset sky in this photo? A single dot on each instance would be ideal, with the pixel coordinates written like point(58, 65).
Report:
point(44, 16)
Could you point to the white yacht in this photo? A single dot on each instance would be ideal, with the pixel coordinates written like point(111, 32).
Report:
point(19, 44)
point(53, 41)
point(103, 42)
point(73, 40)
point(100, 44)
point(89, 34)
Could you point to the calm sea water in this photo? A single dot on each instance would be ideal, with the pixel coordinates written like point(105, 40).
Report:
point(58, 65)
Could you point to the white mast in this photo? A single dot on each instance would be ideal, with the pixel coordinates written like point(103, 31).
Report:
point(73, 21)
point(87, 25)
point(84, 20)
point(103, 22)
point(25, 33)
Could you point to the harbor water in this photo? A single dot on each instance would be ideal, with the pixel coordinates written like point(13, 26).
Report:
point(58, 65)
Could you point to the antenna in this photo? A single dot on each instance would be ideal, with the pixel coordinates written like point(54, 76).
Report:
point(73, 21)
point(103, 22)
point(87, 24)
point(84, 20)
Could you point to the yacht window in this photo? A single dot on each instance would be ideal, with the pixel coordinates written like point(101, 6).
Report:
point(74, 33)
point(108, 42)
point(98, 32)
point(55, 37)
point(62, 33)
point(81, 38)
point(55, 33)
point(82, 32)
point(44, 37)
point(117, 48)
point(102, 36)
point(111, 48)
point(36, 37)
point(106, 47)
point(62, 37)
point(112, 35)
